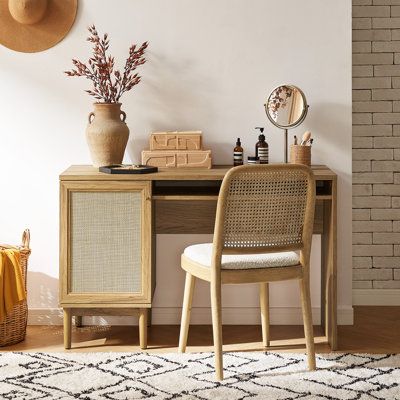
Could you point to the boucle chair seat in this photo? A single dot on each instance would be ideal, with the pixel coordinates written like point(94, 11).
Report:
point(201, 254)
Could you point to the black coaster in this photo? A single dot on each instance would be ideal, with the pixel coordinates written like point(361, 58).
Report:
point(128, 169)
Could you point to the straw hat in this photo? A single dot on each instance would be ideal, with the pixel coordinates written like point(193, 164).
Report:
point(35, 25)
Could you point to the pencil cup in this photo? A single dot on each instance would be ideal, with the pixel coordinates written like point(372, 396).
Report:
point(300, 154)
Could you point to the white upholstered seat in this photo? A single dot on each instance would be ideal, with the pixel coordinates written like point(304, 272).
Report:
point(201, 254)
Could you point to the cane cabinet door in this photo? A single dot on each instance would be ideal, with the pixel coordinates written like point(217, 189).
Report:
point(105, 244)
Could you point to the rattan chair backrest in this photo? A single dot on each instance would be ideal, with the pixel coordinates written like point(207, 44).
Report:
point(265, 208)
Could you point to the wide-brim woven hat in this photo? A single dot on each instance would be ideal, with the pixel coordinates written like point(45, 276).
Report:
point(30, 26)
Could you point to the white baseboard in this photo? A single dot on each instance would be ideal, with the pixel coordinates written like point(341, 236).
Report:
point(199, 316)
point(376, 297)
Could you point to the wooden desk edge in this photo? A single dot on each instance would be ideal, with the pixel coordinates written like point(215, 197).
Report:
point(217, 172)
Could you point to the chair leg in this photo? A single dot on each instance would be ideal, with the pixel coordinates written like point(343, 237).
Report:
point(307, 319)
point(264, 306)
point(186, 308)
point(217, 327)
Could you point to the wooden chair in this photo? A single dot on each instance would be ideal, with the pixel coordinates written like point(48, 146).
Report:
point(264, 214)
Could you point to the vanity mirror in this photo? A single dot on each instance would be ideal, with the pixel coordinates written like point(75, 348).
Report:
point(286, 107)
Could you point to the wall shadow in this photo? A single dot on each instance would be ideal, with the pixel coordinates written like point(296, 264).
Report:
point(42, 290)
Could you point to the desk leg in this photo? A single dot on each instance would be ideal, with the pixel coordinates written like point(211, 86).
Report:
point(143, 328)
point(329, 273)
point(67, 328)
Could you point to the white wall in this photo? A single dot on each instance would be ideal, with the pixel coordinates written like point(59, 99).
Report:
point(210, 66)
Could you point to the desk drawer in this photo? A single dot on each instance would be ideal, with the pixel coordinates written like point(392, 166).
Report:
point(198, 216)
point(188, 216)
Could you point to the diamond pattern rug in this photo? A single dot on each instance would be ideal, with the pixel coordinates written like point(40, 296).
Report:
point(258, 376)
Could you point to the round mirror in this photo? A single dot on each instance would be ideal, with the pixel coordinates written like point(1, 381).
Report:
point(286, 106)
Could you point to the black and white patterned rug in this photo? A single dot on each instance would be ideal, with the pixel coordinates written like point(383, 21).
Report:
point(191, 376)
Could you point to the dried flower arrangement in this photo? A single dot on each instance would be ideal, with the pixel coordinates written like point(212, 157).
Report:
point(109, 84)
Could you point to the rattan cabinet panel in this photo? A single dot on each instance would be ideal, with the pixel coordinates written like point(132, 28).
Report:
point(105, 246)
point(105, 242)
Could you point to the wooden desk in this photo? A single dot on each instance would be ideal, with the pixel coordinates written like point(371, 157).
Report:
point(184, 201)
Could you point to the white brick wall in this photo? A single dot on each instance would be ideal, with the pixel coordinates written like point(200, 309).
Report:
point(376, 144)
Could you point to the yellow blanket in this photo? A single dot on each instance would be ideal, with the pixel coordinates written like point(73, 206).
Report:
point(12, 288)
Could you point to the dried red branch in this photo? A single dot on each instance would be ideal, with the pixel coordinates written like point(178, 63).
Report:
point(109, 84)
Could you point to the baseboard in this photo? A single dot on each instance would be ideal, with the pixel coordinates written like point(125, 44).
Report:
point(376, 297)
point(199, 316)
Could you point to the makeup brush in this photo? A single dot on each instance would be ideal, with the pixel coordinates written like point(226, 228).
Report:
point(306, 137)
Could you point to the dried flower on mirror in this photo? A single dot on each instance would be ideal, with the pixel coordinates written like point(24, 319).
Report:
point(278, 99)
point(109, 84)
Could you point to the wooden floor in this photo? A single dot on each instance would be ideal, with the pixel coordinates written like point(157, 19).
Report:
point(375, 330)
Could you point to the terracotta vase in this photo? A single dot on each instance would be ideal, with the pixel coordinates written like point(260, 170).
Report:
point(107, 134)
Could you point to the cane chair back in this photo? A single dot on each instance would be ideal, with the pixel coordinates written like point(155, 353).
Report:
point(265, 208)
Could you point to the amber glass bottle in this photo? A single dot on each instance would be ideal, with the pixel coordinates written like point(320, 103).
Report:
point(238, 153)
point(262, 148)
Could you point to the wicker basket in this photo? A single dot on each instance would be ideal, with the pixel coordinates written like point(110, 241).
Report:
point(13, 328)
point(300, 154)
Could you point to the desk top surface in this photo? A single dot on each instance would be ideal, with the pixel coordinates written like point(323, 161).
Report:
point(217, 172)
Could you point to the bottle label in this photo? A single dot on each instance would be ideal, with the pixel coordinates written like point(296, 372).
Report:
point(237, 158)
point(263, 155)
